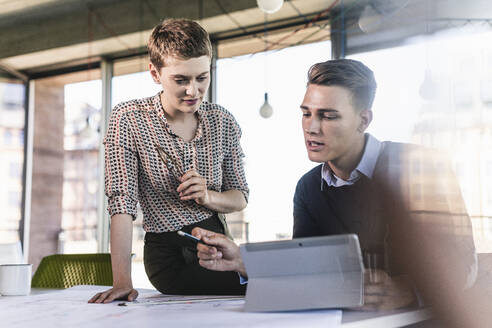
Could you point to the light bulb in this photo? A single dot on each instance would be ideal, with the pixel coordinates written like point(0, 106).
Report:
point(428, 88)
point(266, 109)
point(270, 6)
point(369, 20)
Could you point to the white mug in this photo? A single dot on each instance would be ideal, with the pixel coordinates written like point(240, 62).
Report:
point(15, 279)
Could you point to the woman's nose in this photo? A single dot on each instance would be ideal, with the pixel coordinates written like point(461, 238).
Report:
point(191, 89)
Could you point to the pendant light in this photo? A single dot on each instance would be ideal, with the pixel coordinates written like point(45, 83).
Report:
point(266, 110)
point(428, 88)
point(270, 6)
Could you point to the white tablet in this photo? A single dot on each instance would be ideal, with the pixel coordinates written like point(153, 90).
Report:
point(304, 273)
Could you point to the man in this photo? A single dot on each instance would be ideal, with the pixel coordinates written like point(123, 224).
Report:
point(382, 191)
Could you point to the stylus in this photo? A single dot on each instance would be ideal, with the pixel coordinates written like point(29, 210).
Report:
point(191, 237)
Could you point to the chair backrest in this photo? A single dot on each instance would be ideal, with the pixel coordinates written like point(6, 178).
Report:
point(67, 270)
point(11, 253)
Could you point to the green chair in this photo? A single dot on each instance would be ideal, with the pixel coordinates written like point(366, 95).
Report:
point(67, 270)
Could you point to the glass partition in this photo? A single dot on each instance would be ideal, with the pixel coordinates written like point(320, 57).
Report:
point(82, 101)
point(437, 92)
point(274, 147)
point(127, 84)
point(12, 116)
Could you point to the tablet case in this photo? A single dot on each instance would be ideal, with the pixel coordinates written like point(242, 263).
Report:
point(304, 273)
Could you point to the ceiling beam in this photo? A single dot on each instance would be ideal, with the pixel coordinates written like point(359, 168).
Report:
point(66, 23)
point(13, 72)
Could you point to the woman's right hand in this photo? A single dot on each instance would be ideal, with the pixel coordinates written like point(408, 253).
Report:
point(121, 246)
point(115, 293)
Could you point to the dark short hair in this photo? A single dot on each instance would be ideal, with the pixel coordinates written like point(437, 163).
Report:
point(350, 74)
point(182, 38)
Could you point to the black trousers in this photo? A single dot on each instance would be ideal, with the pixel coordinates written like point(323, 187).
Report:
point(172, 265)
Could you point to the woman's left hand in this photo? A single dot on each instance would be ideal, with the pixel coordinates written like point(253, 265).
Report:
point(194, 187)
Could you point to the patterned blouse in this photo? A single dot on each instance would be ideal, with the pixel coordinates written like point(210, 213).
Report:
point(144, 158)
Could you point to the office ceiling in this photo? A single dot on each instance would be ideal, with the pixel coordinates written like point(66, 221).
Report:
point(9, 7)
point(39, 35)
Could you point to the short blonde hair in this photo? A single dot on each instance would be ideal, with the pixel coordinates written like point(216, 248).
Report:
point(182, 38)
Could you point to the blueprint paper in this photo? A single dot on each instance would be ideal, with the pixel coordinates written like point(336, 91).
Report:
point(69, 308)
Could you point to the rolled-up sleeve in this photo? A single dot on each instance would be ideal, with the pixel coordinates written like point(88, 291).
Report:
point(121, 166)
point(233, 175)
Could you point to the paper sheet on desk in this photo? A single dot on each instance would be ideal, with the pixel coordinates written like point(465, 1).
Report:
point(69, 308)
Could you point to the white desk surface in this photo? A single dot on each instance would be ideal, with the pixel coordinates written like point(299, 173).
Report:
point(386, 319)
point(69, 308)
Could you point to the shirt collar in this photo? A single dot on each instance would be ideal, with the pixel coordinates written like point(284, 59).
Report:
point(160, 112)
point(366, 166)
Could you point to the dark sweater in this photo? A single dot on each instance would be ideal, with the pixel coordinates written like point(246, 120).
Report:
point(376, 216)
point(353, 209)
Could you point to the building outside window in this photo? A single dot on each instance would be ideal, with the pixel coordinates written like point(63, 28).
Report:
point(81, 171)
point(11, 158)
point(15, 170)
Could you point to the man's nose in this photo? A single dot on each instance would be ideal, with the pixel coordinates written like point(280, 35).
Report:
point(313, 127)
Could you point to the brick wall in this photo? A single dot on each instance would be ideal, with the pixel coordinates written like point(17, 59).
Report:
point(47, 175)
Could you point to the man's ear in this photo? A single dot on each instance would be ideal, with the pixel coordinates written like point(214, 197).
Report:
point(365, 119)
point(154, 73)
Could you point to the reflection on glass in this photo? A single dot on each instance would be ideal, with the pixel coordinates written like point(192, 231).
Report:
point(456, 120)
point(11, 158)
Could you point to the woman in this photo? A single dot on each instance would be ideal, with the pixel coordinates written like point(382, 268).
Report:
point(180, 157)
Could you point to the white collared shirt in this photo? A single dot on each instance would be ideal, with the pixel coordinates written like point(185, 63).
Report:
point(372, 149)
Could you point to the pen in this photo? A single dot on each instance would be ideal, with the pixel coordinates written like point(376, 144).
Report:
point(168, 161)
point(191, 237)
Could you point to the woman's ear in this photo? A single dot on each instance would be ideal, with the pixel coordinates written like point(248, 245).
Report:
point(365, 119)
point(154, 73)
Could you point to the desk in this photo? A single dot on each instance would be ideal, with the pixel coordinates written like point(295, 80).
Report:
point(384, 319)
point(69, 308)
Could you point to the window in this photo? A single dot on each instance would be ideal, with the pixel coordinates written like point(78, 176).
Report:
point(13, 97)
point(489, 181)
point(21, 137)
point(129, 83)
point(7, 137)
point(15, 170)
point(274, 147)
point(81, 164)
point(450, 119)
point(14, 199)
point(11, 158)
point(65, 161)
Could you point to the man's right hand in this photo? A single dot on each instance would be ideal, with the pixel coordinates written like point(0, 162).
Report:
point(115, 293)
point(383, 293)
point(222, 254)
